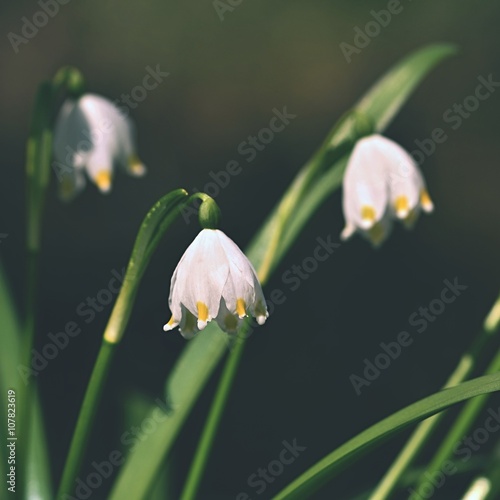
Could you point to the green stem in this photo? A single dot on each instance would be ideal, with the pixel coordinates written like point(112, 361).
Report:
point(210, 430)
point(39, 150)
point(86, 418)
point(459, 429)
point(424, 430)
point(38, 157)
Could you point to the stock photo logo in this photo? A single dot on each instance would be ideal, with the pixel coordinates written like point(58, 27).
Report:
point(419, 320)
point(57, 342)
point(31, 26)
point(248, 150)
point(260, 480)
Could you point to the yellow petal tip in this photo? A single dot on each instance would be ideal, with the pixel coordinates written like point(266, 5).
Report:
point(426, 202)
point(402, 207)
point(135, 166)
point(241, 308)
point(103, 181)
point(203, 315)
point(172, 323)
point(368, 216)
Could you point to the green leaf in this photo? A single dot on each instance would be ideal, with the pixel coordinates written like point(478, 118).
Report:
point(137, 408)
point(202, 354)
point(38, 474)
point(38, 156)
point(333, 463)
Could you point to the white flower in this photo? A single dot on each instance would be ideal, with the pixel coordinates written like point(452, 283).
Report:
point(382, 182)
point(214, 280)
point(92, 135)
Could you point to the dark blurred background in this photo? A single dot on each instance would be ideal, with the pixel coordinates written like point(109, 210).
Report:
point(225, 79)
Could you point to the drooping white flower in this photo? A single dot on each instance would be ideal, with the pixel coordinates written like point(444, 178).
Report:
point(382, 182)
point(214, 280)
point(92, 135)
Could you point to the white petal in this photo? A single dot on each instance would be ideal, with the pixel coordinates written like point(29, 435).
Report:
point(201, 274)
point(240, 282)
point(243, 282)
point(71, 146)
point(405, 180)
point(259, 307)
point(348, 231)
point(365, 188)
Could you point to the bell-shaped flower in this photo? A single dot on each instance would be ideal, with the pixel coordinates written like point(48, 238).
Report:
point(382, 182)
point(214, 280)
point(92, 135)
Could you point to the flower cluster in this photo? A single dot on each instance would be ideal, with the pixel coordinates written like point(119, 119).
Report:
point(214, 280)
point(382, 183)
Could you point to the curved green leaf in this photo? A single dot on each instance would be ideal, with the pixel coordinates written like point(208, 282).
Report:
point(202, 354)
point(333, 463)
